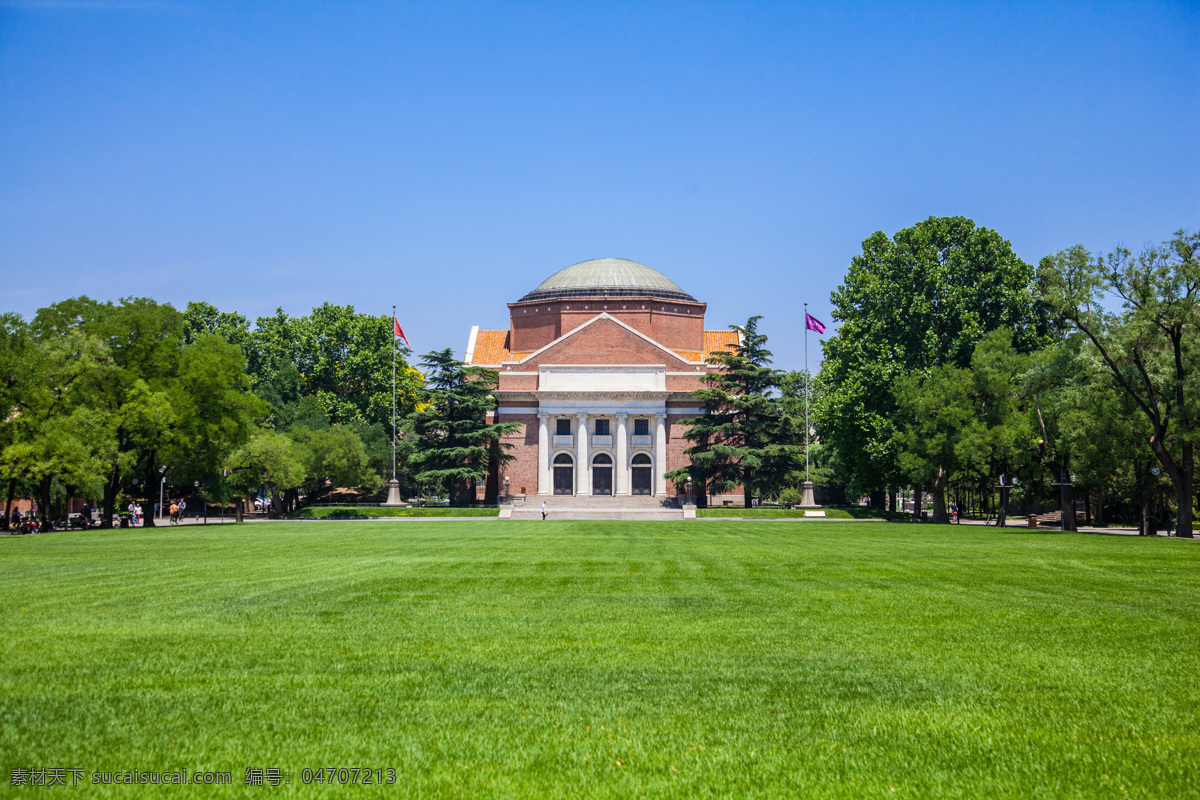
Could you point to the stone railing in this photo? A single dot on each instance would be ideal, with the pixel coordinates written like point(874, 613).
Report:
point(564, 441)
point(643, 441)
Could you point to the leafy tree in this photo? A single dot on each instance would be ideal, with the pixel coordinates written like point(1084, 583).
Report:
point(270, 459)
point(336, 456)
point(215, 412)
point(56, 432)
point(1089, 423)
point(165, 401)
point(744, 438)
point(1151, 347)
point(200, 319)
point(972, 421)
point(15, 351)
point(920, 299)
point(342, 359)
point(455, 443)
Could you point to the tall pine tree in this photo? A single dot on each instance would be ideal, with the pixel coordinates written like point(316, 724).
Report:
point(455, 443)
point(744, 438)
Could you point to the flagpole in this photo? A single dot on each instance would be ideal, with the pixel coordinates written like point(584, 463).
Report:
point(393, 392)
point(805, 391)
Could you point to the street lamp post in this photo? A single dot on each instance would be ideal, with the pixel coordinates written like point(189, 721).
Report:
point(1066, 480)
point(162, 483)
point(196, 484)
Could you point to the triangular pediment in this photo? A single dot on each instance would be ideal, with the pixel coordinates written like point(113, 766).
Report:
point(604, 339)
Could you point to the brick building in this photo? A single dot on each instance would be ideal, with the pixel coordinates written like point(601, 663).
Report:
point(598, 364)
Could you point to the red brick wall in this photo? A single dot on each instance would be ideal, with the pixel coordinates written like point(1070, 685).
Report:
point(533, 325)
point(605, 342)
point(522, 471)
point(678, 326)
point(510, 382)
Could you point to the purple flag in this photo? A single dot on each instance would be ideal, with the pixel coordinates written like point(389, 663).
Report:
point(813, 324)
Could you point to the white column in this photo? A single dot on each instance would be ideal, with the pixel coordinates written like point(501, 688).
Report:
point(621, 468)
point(543, 454)
point(660, 454)
point(582, 484)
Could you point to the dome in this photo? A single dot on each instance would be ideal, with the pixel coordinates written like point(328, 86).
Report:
point(608, 277)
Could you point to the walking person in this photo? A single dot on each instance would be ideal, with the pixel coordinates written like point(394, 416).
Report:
point(543, 511)
point(174, 513)
point(182, 509)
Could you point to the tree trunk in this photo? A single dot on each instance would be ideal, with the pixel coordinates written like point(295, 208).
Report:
point(1100, 506)
point(939, 496)
point(1184, 490)
point(1146, 525)
point(12, 487)
point(110, 499)
point(918, 491)
point(1002, 508)
point(238, 509)
point(892, 501)
point(1068, 504)
point(44, 502)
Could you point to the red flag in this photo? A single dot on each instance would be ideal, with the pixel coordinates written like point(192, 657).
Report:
point(399, 333)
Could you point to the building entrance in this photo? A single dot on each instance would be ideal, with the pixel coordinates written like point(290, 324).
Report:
point(564, 474)
point(641, 474)
point(602, 477)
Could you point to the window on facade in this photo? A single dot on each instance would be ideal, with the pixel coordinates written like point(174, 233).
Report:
point(641, 427)
point(563, 427)
point(602, 427)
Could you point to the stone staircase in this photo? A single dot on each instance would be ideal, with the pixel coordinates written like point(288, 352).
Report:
point(559, 507)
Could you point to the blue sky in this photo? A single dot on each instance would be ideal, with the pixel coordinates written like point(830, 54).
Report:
point(447, 157)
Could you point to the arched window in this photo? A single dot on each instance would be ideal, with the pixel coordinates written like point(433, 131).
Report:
point(641, 459)
point(563, 458)
point(602, 458)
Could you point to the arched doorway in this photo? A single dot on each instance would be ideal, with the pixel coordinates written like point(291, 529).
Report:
point(564, 474)
point(602, 474)
point(643, 480)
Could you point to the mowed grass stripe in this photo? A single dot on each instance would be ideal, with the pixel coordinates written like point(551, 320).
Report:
point(610, 659)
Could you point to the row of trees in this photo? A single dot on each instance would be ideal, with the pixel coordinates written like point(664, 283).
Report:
point(958, 367)
point(110, 400)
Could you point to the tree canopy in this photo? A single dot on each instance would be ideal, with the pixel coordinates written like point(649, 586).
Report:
point(920, 299)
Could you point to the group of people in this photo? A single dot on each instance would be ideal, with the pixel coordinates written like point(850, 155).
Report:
point(135, 513)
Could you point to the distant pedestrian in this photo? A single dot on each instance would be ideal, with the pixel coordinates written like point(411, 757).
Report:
point(182, 508)
point(174, 508)
point(543, 511)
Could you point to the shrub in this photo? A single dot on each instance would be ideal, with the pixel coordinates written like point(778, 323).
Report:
point(789, 496)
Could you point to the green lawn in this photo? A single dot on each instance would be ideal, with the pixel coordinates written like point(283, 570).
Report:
point(324, 512)
point(857, 512)
point(568, 659)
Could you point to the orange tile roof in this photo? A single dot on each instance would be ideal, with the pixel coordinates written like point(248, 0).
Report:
point(716, 341)
point(688, 355)
point(491, 348)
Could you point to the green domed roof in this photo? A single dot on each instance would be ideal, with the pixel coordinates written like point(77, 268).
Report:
point(608, 277)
